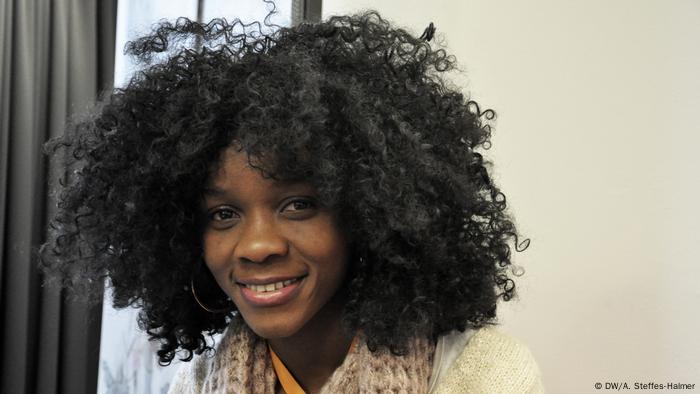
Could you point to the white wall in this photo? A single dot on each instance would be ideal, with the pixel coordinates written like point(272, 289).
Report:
point(595, 148)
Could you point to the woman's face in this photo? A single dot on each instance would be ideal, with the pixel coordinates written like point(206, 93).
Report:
point(272, 247)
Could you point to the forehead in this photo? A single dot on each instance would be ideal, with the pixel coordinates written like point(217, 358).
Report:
point(233, 167)
point(236, 171)
point(232, 161)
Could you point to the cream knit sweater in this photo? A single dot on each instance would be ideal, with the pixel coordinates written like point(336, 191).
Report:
point(484, 361)
point(491, 362)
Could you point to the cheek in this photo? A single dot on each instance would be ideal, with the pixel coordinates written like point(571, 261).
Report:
point(331, 248)
point(328, 248)
point(216, 252)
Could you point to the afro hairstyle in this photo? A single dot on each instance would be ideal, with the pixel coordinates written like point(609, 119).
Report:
point(358, 107)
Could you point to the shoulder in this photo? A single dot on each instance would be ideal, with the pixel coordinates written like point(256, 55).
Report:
point(207, 372)
point(485, 360)
point(189, 377)
point(192, 376)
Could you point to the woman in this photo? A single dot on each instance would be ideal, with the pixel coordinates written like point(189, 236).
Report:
point(316, 194)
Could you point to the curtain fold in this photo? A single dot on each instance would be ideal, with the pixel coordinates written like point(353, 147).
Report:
point(55, 57)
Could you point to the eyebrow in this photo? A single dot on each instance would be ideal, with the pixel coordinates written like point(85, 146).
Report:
point(213, 191)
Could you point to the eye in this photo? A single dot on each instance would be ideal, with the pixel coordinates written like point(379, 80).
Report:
point(223, 215)
point(298, 205)
point(299, 208)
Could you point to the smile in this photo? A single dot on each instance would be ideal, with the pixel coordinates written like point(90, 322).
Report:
point(272, 292)
point(266, 288)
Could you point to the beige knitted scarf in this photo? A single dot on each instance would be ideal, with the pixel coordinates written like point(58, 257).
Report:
point(242, 365)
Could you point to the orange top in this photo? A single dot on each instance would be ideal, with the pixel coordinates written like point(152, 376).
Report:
point(287, 381)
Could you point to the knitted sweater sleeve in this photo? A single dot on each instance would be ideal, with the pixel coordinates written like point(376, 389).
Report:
point(181, 383)
point(190, 377)
point(492, 362)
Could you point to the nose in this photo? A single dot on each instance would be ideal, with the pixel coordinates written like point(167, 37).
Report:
point(260, 239)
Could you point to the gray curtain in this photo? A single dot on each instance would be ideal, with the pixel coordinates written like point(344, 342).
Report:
point(55, 56)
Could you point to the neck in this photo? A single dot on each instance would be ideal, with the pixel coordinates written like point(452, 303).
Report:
point(314, 352)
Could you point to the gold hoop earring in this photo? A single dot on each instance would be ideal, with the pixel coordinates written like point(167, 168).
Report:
point(210, 310)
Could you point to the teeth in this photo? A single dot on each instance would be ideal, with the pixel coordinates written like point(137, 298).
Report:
point(271, 286)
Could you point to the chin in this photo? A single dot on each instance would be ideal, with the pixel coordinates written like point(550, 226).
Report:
point(269, 327)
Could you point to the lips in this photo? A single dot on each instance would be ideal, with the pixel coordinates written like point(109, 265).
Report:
point(272, 291)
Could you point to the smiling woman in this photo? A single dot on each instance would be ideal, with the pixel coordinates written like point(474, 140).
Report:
point(275, 250)
point(316, 194)
point(280, 255)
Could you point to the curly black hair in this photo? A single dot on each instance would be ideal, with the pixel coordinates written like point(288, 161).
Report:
point(352, 104)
